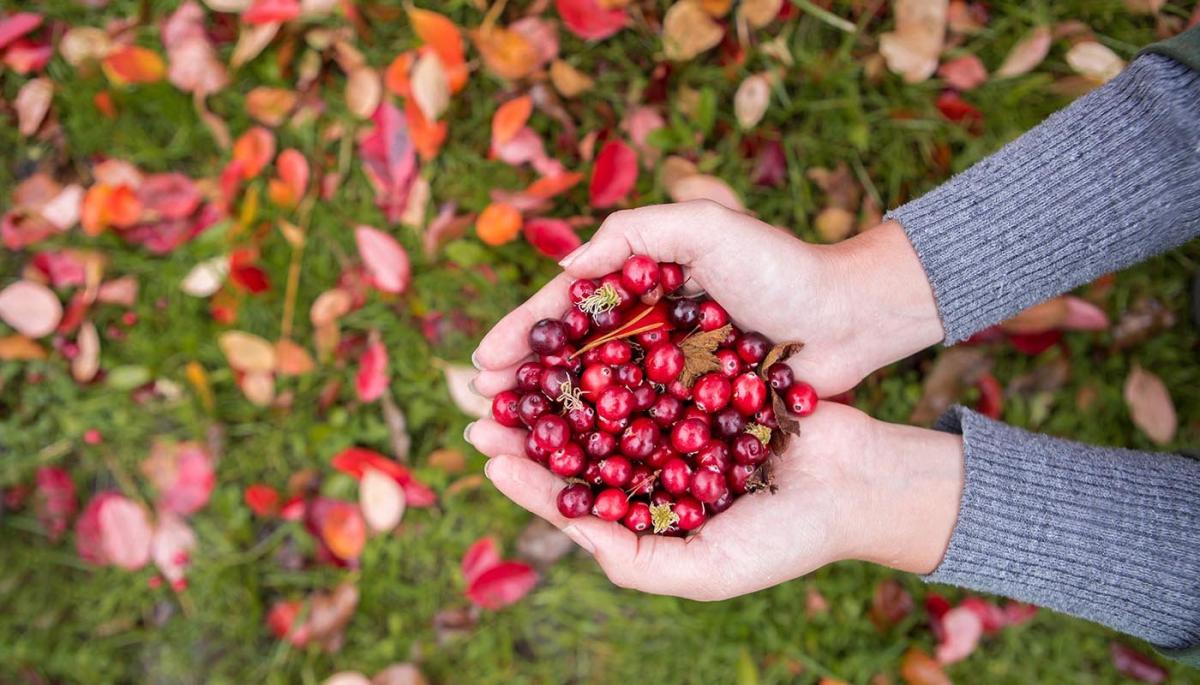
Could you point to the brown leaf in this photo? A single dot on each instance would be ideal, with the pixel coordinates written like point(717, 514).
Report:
point(699, 353)
point(688, 31)
point(1150, 405)
point(381, 499)
point(247, 352)
point(400, 674)
point(32, 104)
point(329, 614)
point(759, 13)
point(890, 604)
point(17, 347)
point(1095, 61)
point(779, 353)
point(705, 187)
point(918, 668)
point(834, 224)
point(292, 359)
point(87, 361)
point(838, 184)
point(270, 106)
point(1146, 318)
point(397, 425)
point(569, 81)
point(912, 50)
point(1026, 55)
point(430, 86)
point(451, 624)
point(447, 461)
point(955, 369)
point(364, 90)
point(751, 100)
point(542, 544)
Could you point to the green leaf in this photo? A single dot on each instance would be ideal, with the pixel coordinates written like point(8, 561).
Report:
point(747, 670)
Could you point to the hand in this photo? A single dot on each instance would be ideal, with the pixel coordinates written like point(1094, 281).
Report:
point(857, 305)
point(848, 487)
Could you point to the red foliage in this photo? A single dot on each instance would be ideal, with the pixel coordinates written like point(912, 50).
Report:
point(54, 500)
point(589, 20)
point(262, 499)
point(492, 583)
point(389, 159)
point(614, 174)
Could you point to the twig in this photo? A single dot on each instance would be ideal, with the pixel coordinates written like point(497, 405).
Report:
point(826, 16)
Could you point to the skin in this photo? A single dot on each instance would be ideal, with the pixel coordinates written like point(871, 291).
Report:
point(849, 486)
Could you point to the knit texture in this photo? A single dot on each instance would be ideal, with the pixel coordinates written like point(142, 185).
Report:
point(1107, 182)
point(1110, 535)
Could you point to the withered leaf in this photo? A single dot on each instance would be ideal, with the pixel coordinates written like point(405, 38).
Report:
point(779, 353)
point(1146, 318)
point(954, 369)
point(699, 353)
point(762, 480)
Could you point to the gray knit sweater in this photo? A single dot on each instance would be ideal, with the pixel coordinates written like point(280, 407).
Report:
point(1107, 534)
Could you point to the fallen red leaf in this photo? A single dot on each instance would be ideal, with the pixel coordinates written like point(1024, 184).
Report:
point(959, 110)
point(54, 500)
point(354, 461)
point(283, 622)
point(254, 150)
point(262, 499)
point(389, 160)
point(589, 20)
point(271, 11)
point(991, 396)
point(1136, 665)
point(502, 585)
point(552, 237)
point(183, 474)
point(480, 556)
point(385, 259)
point(372, 378)
point(133, 64)
point(343, 530)
point(613, 175)
point(961, 630)
point(16, 25)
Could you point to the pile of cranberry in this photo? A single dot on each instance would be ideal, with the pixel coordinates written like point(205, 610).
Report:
point(651, 404)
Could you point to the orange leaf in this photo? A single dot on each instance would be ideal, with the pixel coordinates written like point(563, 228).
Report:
point(510, 118)
point(507, 53)
point(134, 64)
point(440, 34)
point(288, 188)
point(426, 136)
point(918, 668)
point(344, 530)
point(395, 78)
point(548, 186)
point(106, 205)
point(17, 347)
point(254, 149)
point(498, 223)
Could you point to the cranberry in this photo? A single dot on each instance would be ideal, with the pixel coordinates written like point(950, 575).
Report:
point(738, 476)
point(591, 357)
point(640, 274)
point(581, 419)
point(651, 298)
point(711, 392)
point(624, 297)
point(534, 450)
point(766, 417)
point(613, 426)
point(553, 381)
point(550, 432)
point(708, 486)
point(723, 503)
point(638, 519)
point(670, 277)
point(607, 320)
point(575, 500)
point(664, 363)
point(567, 460)
point(651, 338)
point(614, 403)
point(611, 505)
point(728, 422)
point(531, 407)
point(662, 497)
point(504, 408)
point(599, 444)
point(565, 359)
point(749, 393)
point(690, 512)
point(595, 378)
point(576, 323)
point(689, 435)
point(581, 289)
point(640, 439)
point(801, 399)
point(616, 352)
point(661, 455)
point(731, 337)
point(712, 316)
point(676, 476)
point(752, 347)
point(547, 337)
point(731, 363)
point(780, 376)
point(679, 390)
point(529, 376)
point(713, 456)
point(592, 474)
point(666, 410)
point(698, 413)
point(644, 396)
point(684, 313)
point(642, 481)
point(748, 449)
point(629, 375)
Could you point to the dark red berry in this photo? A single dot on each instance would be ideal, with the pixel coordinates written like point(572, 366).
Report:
point(581, 290)
point(661, 455)
point(684, 313)
point(731, 337)
point(690, 512)
point(708, 485)
point(575, 500)
point(670, 276)
point(534, 450)
point(664, 363)
point(556, 382)
point(766, 417)
point(780, 376)
point(688, 435)
point(529, 376)
point(629, 375)
point(567, 460)
point(728, 422)
point(640, 439)
point(695, 412)
point(723, 503)
point(644, 396)
point(576, 323)
point(712, 316)
point(752, 347)
point(731, 363)
point(651, 338)
point(595, 378)
point(610, 505)
point(711, 392)
point(607, 320)
point(550, 432)
point(662, 497)
point(599, 444)
point(640, 274)
point(749, 393)
point(616, 352)
point(651, 298)
point(642, 481)
point(748, 449)
point(616, 471)
point(613, 426)
point(666, 410)
point(714, 456)
point(591, 474)
point(547, 337)
point(581, 419)
point(531, 407)
point(591, 357)
point(638, 518)
point(800, 399)
point(614, 403)
point(565, 359)
point(680, 390)
point(676, 476)
point(738, 476)
point(504, 408)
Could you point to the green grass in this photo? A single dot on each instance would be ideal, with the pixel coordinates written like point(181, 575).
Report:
point(71, 623)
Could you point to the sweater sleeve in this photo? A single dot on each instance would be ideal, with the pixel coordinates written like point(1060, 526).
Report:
point(1110, 535)
point(1107, 182)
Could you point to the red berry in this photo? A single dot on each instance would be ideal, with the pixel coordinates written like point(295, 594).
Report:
point(708, 486)
point(531, 407)
point(732, 337)
point(550, 432)
point(567, 460)
point(576, 323)
point(592, 474)
point(748, 449)
point(662, 497)
point(664, 363)
point(613, 426)
point(661, 455)
point(640, 274)
point(616, 352)
point(616, 471)
point(607, 320)
point(731, 363)
point(684, 313)
point(766, 417)
point(535, 450)
point(694, 412)
point(629, 375)
point(713, 456)
point(644, 396)
point(712, 316)
point(565, 359)
point(581, 290)
point(611, 505)
point(599, 444)
point(651, 298)
point(666, 410)
point(780, 376)
point(723, 503)
point(688, 435)
point(801, 399)
point(651, 338)
point(595, 378)
point(529, 376)
point(640, 439)
point(614, 403)
point(642, 481)
point(690, 512)
point(591, 357)
point(676, 476)
point(671, 276)
point(749, 393)
point(638, 518)
point(728, 422)
point(680, 390)
point(504, 408)
point(625, 298)
point(752, 347)
point(547, 337)
point(738, 476)
point(581, 419)
point(711, 392)
point(575, 500)
point(553, 381)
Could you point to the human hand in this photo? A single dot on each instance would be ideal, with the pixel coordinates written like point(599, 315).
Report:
point(847, 487)
point(857, 305)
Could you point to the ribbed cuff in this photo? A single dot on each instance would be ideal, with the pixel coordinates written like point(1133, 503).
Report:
point(1106, 182)
point(1110, 535)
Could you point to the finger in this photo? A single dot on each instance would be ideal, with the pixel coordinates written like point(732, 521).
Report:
point(650, 563)
point(490, 382)
point(668, 233)
point(493, 439)
point(507, 343)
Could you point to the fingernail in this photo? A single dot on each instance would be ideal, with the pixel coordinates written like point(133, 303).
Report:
point(580, 538)
point(475, 360)
point(575, 254)
point(488, 468)
point(467, 432)
point(472, 388)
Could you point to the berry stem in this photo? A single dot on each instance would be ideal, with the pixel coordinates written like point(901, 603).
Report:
point(604, 299)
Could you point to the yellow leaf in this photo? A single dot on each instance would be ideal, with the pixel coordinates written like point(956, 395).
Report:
point(688, 31)
point(568, 80)
point(247, 352)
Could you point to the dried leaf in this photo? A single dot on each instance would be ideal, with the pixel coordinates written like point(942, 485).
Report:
point(444, 38)
point(759, 13)
point(613, 175)
point(510, 118)
point(381, 500)
point(751, 100)
point(389, 159)
point(688, 31)
point(270, 106)
point(292, 359)
point(246, 352)
point(543, 544)
point(591, 19)
point(206, 278)
point(1026, 55)
point(19, 348)
point(554, 238)
point(955, 368)
point(171, 546)
point(251, 41)
point(890, 604)
point(330, 306)
point(1143, 320)
point(506, 53)
point(918, 668)
point(569, 81)
point(86, 363)
point(32, 103)
point(1150, 405)
point(32, 309)
point(498, 223)
point(54, 501)
point(343, 530)
point(458, 379)
point(125, 533)
point(363, 92)
point(912, 50)
point(193, 64)
point(834, 224)
point(1095, 61)
point(347, 678)
point(781, 352)
point(254, 150)
point(705, 187)
point(400, 674)
point(961, 630)
point(963, 73)
point(699, 353)
point(385, 259)
point(1133, 664)
point(133, 64)
point(371, 381)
